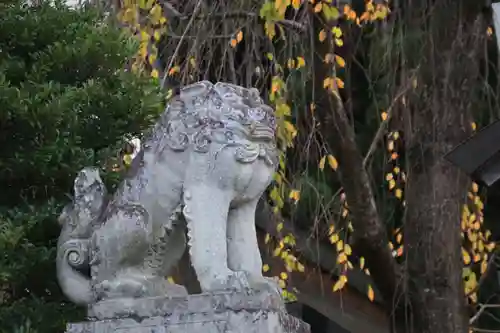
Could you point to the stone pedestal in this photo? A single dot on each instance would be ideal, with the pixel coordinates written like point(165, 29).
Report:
point(231, 312)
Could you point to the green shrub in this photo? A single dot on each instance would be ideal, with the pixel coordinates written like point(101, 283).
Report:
point(65, 99)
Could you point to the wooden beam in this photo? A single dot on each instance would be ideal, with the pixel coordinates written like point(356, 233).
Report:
point(313, 250)
point(348, 308)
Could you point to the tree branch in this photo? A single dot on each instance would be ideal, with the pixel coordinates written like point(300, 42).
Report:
point(172, 12)
point(370, 237)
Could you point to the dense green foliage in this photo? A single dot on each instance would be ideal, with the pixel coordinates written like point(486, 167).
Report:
point(65, 99)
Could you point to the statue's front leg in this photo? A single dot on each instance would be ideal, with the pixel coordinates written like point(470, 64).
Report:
point(118, 246)
point(243, 248)
point(205, 211)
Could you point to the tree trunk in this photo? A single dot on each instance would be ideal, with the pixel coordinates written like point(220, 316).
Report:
point(443, 41)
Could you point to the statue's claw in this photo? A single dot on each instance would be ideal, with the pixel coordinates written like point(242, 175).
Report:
point(245, 281)
point(136, 285)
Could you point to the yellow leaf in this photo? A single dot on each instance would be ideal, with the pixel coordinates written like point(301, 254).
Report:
point(484, 266)
point(318, 7)
point(389, 176)
point(144, 36)
point(339, 42)
point(398, 193)
point(279, 227)
point(322, 163)
point(192, 62)
point(276, 252)
point(173, 70)
point(283, 276)
point(127, 159)
point(362, 262)
point(296, 4)
point(465, 256)
point(340, 83)
point(337, 32)
point(399, 237)
point(295, 195)
point(265, 268)
point(267, 238)
point(342, 258)
point(171, 280)
point(239, 36)
point(300, 267)
point(328, 83)
point(282, 284)
point(300, 62)
point(370, 293)
point(475, 188)
point(395, 135)
point(170, 93)
point(392, 184)
point(390, 145)
point(489, 31)
point(330, 12)
point(490, 247)
point(270, 29)
point(332, 162)
point(152, 58)
point(347, 249)
point(383, 115)
point(473, 126)
point(290, 128)
point(157, 35)
point(340, 283)
point(340, 61)
point(487, 234)
point(322, 35)
point(340, 245)
point(155, 74)
point(334, 238)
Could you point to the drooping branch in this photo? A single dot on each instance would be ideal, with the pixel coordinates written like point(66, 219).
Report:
point(370, 237)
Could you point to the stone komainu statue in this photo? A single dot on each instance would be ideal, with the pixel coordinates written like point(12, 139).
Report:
point(211, 156)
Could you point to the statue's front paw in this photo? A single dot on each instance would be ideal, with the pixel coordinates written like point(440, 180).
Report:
point(245, 281)
point(117, 288)
point(263, 283)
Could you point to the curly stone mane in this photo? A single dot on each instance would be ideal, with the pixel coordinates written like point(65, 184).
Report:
point(228, 115)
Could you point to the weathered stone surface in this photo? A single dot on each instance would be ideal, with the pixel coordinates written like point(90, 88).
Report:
point(226, 322)
point(260, 312)
point(198, 303)
point(210, 157)
point(204, 167)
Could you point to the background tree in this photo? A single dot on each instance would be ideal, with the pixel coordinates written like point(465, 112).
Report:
point(344, 85)
point(367, 104)
point(66, 102)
